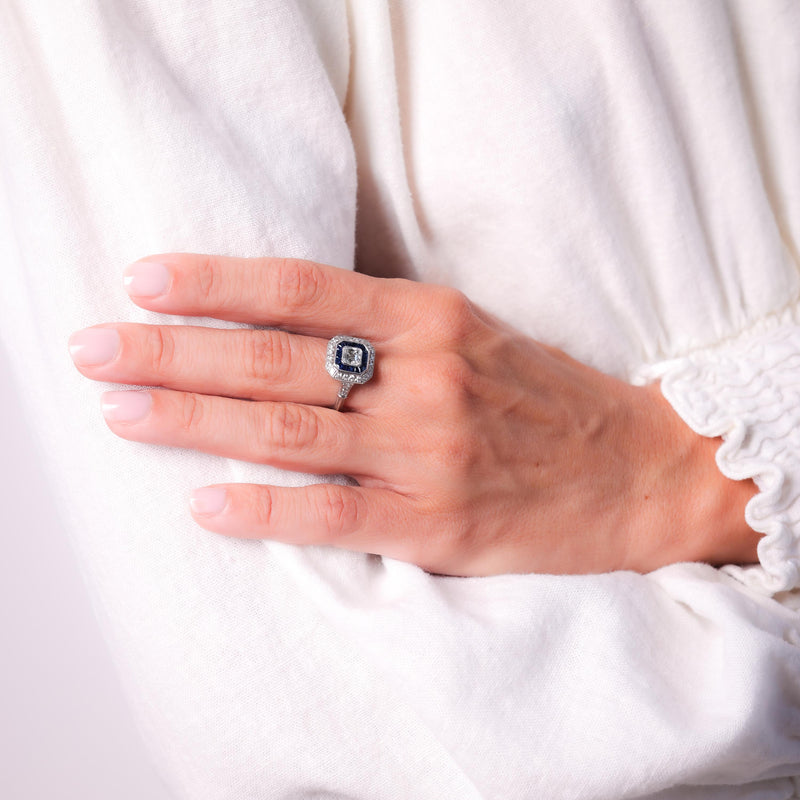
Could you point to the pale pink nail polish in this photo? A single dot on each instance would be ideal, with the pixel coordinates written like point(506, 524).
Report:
point(93, 346)
point(208, 501)
point(126, 406)
point(146, 279)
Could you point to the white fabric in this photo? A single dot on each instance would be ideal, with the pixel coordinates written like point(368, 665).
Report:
point(748, 390)
point(621, 180)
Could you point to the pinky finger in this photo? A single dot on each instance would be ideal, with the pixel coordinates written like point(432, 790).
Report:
point(351, 517)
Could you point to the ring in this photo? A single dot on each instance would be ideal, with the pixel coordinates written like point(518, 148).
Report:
point(350, 360)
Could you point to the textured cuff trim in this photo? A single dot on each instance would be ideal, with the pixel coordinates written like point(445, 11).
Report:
point(747, 390)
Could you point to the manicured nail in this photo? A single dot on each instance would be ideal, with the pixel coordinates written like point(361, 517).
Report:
point(208, 501)
point(126, 406)
point(93, 346)
point(146, 279)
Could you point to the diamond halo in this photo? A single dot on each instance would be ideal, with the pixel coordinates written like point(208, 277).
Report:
point(350, 360)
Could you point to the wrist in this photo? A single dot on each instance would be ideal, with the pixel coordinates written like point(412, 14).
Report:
point(687, 510)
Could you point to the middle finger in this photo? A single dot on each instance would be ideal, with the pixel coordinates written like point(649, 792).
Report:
point(242, 363)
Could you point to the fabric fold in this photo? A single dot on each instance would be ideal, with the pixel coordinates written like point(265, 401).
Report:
point(747, 390)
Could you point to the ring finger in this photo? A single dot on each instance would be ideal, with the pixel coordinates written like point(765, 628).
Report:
point(289, 435)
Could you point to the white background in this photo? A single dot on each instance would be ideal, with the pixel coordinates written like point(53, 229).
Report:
point(65, 729)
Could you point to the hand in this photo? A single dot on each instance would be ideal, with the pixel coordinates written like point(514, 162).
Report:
point(476, 450)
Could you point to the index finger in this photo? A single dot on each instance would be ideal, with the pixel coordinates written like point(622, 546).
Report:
point(304, 296)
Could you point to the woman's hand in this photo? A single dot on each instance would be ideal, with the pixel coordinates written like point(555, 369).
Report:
point(476, 449)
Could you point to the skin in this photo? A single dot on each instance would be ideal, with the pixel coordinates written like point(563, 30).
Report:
point(483, 452)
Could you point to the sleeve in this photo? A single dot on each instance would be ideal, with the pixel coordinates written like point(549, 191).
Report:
point(746, 390)
point(254, 668)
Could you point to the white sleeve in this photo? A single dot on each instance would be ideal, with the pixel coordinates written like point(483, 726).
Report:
point(747, 390)
point(261, 670)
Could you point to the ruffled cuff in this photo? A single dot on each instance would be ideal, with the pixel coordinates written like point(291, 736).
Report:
point(747, 390)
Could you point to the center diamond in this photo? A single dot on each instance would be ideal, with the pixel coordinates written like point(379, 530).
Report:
point(352, 356)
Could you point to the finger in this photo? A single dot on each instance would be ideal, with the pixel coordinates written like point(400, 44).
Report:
point(301, 295)
point(289, 435)
point(368, 520)
point(257, 365)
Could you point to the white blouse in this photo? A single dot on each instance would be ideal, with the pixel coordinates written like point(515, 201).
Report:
point(621, 180)
point(618, 179)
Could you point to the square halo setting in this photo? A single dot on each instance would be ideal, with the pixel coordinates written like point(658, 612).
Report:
point(350, 359)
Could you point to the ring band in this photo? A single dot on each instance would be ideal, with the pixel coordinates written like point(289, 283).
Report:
point(349, 360)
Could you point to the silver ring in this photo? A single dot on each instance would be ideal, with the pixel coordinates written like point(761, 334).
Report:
point(350, 360)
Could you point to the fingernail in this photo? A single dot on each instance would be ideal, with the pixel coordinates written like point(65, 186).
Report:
point(146, 279)
point(93, 346)
point(126, 406)
point(208, 501)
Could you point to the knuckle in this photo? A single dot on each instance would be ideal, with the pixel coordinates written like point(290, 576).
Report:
point(207, 271)
point(297, 284)
point(292, 427)
point(340, 509)
point(455, 313)
point(457, 373)
point(161, 349)
point(459, 528)
point(458, 452)
point(437, 549)
point(190, 412)
point(263, 508)
point(267, 355)
point(452, 383)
